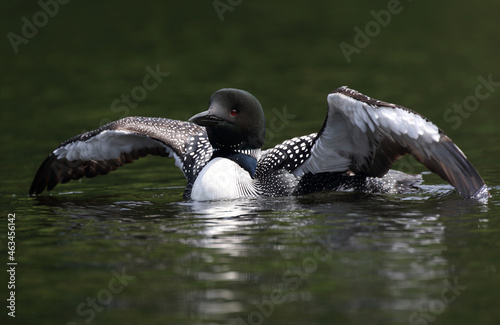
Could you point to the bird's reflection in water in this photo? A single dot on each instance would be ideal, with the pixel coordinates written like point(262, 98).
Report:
point(375, 243)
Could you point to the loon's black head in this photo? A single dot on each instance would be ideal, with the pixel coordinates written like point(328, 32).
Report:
point(234, 120)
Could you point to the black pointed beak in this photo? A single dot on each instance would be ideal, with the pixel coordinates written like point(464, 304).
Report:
point(205, 119)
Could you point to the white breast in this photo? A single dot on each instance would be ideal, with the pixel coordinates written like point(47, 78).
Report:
point(223, 179)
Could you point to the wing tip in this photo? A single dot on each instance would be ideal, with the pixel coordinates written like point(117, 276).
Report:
point(450, 163)
point(41, 179)
point(481, 194)
point(473, 188)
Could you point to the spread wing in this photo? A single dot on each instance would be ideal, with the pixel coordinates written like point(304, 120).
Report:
point(366, 136)
point(103, 150)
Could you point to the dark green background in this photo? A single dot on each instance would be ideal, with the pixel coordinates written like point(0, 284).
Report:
point(211, 263)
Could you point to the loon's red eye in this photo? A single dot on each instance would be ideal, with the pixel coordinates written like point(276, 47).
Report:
point(234, 112)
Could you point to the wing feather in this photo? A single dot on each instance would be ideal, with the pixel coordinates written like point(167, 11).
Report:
point(101, 151)
point(366, 136)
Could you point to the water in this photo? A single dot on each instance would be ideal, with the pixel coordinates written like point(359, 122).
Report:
point(127, 249)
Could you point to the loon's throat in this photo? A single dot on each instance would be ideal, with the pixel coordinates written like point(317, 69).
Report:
point(246, 159)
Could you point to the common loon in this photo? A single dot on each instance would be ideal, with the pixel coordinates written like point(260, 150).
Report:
point(219, 150)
